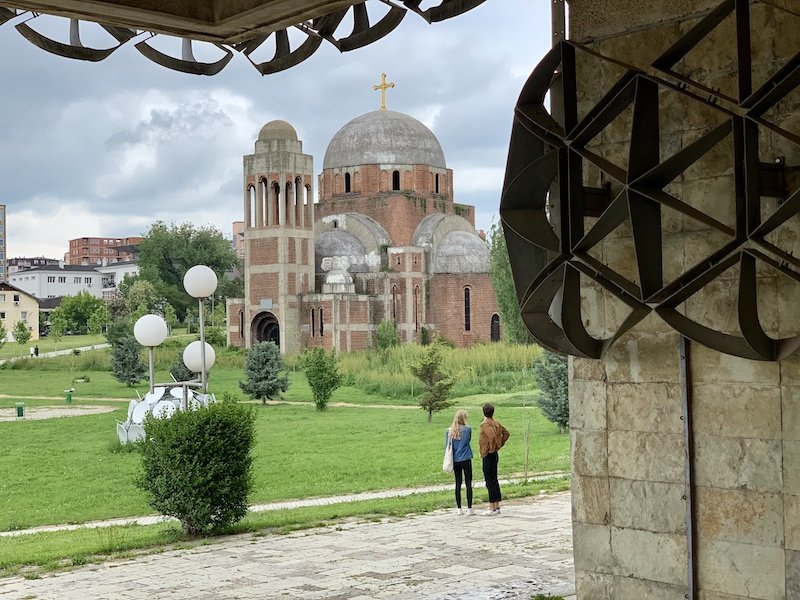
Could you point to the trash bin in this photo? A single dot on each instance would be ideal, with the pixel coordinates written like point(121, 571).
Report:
point(20, 406)
point(68, 396)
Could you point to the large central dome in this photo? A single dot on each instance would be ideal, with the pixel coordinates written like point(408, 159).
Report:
point(384, 137)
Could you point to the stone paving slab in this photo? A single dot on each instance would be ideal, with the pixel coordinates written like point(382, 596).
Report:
point(438, 556)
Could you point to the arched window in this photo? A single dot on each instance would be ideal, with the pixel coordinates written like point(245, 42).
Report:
point(313, 324)
point(251, 206)
point(394, 303)
point(395, 180)
point(347, 183)
point(436, 184)
point(495, 328)
point(276, 198)
point(241, 324)
point(321, 323)
point(467, 308)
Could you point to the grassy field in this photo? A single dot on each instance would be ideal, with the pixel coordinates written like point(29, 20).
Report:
point(47, 344)
point(67, 470)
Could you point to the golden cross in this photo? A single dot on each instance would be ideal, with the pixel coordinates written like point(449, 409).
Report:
point(383, 87)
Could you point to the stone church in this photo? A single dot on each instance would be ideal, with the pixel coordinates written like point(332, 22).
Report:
point(383, 241)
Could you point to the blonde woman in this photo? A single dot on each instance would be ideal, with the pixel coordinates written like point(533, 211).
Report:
point(461, 434)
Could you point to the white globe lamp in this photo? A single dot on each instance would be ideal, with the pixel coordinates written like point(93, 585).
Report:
point(193, 357)
point(200, 281)
point(150, 330)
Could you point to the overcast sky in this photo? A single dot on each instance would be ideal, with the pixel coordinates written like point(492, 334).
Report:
point(105, 149)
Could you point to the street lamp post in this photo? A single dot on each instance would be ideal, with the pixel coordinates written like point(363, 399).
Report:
point(150, 331)
point(200, 282)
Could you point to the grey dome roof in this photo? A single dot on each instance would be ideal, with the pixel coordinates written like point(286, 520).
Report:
point(336, 242)
point(384, 137)
point(277, 130)
point(461, 252)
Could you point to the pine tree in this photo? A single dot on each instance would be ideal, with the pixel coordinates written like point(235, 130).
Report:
point(262, 369)
point(428, 369)
point(550, 372)
point(126, 363)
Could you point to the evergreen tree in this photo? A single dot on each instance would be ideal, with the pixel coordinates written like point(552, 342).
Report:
point(513, 329)
point(428, 369)
point(322, 371)
point(126, 362)
point(180, 371)
point(262, 370)
point(21, 333)
point(550, 372)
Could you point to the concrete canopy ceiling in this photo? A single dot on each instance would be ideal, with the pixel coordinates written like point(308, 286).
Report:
point(222, 21)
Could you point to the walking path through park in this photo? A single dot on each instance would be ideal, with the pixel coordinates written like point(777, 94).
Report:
point(323, 501)
point(526, 550)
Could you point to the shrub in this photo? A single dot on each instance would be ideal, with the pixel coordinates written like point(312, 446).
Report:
point(425, 336)
point(322, 372)
point(126, 362)
point(263, 367)
point(118, 329)
point(386, 335)
point(216, 337)
point(197, 465)
point(428, 369)
point(550, 372)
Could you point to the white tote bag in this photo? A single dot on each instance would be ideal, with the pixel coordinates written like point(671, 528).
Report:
point(447, 463)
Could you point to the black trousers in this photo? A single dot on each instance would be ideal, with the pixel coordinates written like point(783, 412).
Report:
point(463, 470)
point(490, 476)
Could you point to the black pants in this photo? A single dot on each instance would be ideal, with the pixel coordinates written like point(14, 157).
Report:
point(463, 468)
point(490, 476)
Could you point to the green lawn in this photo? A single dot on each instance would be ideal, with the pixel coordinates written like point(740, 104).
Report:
point(64, 470)
point(47, 344)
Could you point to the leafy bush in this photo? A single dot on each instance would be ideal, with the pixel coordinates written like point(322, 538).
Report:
point(550, 372)
point(263, 367)
point(126, 362)
point(428, 369)
point(197, 465)
point(118, 329)
point(216, 337)
point(386, 335)
point(322, 372)
point(21, 333)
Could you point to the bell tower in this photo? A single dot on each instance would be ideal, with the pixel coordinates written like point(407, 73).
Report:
point(278, 236)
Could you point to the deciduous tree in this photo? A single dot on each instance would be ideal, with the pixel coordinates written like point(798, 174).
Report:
point(21, 333)
point(513, 329)
point(167, 252)
point(78, 309)
point(322, 371)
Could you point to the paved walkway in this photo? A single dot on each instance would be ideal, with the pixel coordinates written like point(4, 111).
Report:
point(524, 551)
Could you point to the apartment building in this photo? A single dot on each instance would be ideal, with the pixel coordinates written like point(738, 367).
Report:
point(17, 305)
point(101, 250)
point(20, 263)
point(59, 280)
point(3, 252)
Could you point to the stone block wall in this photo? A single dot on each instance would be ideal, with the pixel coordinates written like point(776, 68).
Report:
point(628, 450)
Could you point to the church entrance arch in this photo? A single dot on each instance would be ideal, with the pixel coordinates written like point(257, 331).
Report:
point(265, 328)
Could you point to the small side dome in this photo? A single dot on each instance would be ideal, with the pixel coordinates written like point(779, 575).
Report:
point(277, 130)
point(461, 252)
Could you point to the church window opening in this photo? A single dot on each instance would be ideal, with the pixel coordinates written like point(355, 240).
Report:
point(467, 308)
point(347, 183)
point(298, 202)
point(416, 308)
point(495, 328)
point(313, 324)
point(335, 224)
point(436, 185)
point(394, 303)
point(289, 198)
point(251, 206)
point(321, 323)
point(398, 260)
point(276, 197)
point(241, 323)
point(395, 180)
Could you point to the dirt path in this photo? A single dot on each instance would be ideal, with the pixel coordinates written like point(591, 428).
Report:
point(35, 413)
